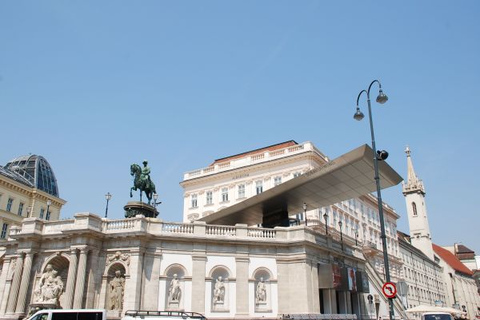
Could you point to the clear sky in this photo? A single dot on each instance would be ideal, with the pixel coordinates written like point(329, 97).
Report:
point(94, 86)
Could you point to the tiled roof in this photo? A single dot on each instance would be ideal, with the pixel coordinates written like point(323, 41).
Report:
point(261, 150)
point(451, 260)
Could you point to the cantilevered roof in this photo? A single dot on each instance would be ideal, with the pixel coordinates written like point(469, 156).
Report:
point(343, 178)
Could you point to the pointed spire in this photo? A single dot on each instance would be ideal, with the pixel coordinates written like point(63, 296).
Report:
point(413, 184)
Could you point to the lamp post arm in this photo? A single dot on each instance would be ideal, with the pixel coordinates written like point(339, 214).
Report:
point(370, 87)
point(360, 94)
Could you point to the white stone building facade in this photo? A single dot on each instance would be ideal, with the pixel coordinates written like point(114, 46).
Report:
point(87, 252)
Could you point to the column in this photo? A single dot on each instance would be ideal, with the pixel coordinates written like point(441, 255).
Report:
point(242, 294)
point(22, 295)
point(80, 283)
point(12, 299)
point(72, 272)
point(198, 283)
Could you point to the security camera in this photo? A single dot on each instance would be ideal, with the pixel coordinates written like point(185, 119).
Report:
point(382, 155)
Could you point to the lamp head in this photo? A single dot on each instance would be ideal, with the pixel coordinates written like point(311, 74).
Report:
point(304, 206)
point(358, 115)
point(108, 196)
point(382, 155)
point(340, 223)
point(325, 216)
point(382, 97)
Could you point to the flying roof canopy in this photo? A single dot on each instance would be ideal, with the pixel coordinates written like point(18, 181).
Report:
point(346, 177)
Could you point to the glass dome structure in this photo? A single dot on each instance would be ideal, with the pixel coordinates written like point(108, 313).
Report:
point(36, 171)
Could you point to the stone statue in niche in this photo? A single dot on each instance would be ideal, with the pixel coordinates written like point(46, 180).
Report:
point(50, 286)
point(261, 294)
point(219, 291)
point(117, 290)
point(174, 291)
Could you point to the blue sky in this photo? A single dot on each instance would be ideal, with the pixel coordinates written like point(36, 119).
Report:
point(95, 86)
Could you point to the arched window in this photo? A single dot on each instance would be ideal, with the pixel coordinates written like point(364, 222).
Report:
point(414, 207)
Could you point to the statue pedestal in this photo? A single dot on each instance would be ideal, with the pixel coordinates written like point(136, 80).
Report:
point(134, 208)
point(37, 306)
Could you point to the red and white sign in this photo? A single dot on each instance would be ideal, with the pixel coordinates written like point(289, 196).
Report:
point(389, 290)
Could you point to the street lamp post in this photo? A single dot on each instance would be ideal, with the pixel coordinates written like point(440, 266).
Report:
point(378, 156)
point(356, 237)
point(341, 232)
point(325, 217)
point(155, 203)
point(305, 213)
point(108, 196)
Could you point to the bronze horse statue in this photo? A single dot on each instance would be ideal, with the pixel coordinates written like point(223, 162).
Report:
point(144, 184)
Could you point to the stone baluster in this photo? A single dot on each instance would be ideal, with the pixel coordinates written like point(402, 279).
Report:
point(72, 272)
point(80, 283)
point(22, 295)
point(12, 299)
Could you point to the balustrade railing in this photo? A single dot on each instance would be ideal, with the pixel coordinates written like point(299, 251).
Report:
point(264, 156)
point(186, 228)
point(221, 230)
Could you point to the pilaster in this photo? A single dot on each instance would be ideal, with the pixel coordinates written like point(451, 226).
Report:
point(4, 284)
point(242, 295)
point(133, 285)
point(198, 283)
point(12, 298)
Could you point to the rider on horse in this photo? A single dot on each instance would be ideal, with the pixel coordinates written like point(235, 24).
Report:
point(145, 175)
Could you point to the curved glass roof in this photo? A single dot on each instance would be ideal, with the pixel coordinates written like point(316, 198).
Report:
point(36, 170)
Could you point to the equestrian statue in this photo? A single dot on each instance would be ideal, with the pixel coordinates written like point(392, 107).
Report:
point(142, 180)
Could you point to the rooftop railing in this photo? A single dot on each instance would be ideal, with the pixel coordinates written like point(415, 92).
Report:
point(254, 158)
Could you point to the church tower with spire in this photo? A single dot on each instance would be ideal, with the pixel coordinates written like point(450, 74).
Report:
point(414, 193)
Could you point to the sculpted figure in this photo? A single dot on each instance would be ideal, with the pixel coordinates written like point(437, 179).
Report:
point(219, 291)
point(261, 294)
point(174, 292)
point(117, 288)
point(50, 286)
point(142, 181)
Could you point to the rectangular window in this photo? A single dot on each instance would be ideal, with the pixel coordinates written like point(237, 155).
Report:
point(259, 186)
point(297, 174)
point(42, 213)
point(224, 194)
point(9, 204)
point(277, 181)
point(194, 201)
point(3, 235)
point(20, 208)
point(241, 191)
point(209, 197)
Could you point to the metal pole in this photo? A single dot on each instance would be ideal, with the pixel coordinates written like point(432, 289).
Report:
point(108, 196)
point(380, 204)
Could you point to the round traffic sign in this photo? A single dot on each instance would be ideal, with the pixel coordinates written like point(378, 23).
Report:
point(389, 290)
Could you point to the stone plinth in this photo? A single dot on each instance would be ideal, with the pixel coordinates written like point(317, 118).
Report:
point(134, 208)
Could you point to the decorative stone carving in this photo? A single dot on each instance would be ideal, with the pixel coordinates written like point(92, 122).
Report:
point(174, 291)
point(117, 289)
point(219, 291)
point(50, 286)
point(118, 256)
point(261, 293)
